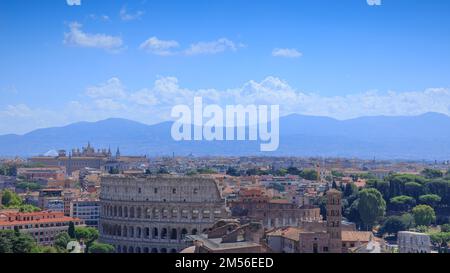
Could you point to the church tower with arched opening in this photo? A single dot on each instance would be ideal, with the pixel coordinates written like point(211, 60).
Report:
point(334, 219)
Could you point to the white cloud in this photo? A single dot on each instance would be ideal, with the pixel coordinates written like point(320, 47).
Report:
point(22, 118)
point(213, 47)
point(168, 47)
point(127, 16)
point(154, 103)
point(144, 97)
point(73, 2)
point(11, 89)
point(374, 2)
point(109, 105)
point(76, 37)
point(113, 88)
point(286, 52)
point(19, 110)
point(167, 92)
point(159, 47)
point(102, 17)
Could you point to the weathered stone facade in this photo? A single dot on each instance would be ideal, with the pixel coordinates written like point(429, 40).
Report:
point(334, 220)
point(274, 215)
point(319, 236)
point(413, 242)
point(88, 157)
point(155, 213)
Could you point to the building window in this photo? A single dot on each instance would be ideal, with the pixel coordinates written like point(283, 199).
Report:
point(173, 234)
point(315, 248)
point(164, 233)
point(183, 233)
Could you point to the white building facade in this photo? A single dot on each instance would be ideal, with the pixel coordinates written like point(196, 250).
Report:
point(413, 242)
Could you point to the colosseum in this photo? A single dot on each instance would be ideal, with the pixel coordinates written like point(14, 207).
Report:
point(153, 214)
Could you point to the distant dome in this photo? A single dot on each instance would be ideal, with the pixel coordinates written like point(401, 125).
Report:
point(51, 153)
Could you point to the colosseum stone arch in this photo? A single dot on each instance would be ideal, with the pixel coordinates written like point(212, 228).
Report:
point(154, 214)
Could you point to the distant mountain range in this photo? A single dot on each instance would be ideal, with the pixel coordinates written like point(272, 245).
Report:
point(417, 137)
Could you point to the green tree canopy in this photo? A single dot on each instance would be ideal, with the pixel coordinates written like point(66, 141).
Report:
point(397, 183)
point(16, 242)
point(430, 199)
point(281, 172)
point(422, 229)
point(45, 249)
point(86, 234)
point(232, 171)
point(430, 173)
point(28, 208)
point(71, 230)
point(445, 228)
point(10, 198)
point(423, 215)
point(206, 171)
point(413, 189)
point(97, 247)
point(309, 174)
point(440, 238)
point(293, 171)
point(371, 206)
point(8, 170)
point(381, 185)
point(191, 172)
point(61, 240)
point(337, 173)
point(32, 186)
point(402, 203)
point(6, 242)
point(439, 187)
point(352, 213)
point(114, 171)
point(393, 225)
point(408, 220)
point(350, 189)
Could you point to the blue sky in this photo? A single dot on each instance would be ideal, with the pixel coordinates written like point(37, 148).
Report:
point(96, 59)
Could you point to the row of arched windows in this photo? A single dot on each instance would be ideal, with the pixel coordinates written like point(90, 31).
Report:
point(130, 249)
point(333, 223)
point(156, 213)
point(334, 213)
point(154, 190)
point(147, 233)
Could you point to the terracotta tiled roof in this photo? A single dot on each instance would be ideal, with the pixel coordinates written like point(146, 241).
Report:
point(42, 217)
point(356, 236)
point(292, 233)
point(40, 221)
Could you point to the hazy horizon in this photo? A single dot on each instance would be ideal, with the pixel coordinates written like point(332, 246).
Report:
point(72, 61)
point(170, 120)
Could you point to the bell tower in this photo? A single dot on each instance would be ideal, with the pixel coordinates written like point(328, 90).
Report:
point(334, 219)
